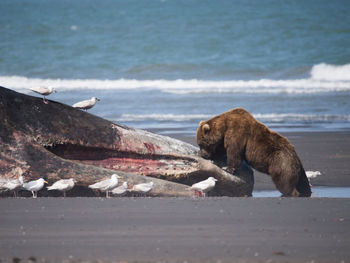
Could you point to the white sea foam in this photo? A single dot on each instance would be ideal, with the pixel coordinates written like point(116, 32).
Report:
point(163, 117)
point(330, 72)
point(296, 117)
point(272, 118)
point(321, 80)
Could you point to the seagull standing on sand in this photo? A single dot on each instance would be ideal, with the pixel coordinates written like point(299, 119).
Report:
point(312, 174)
point(63, 185)
point(12, 185)
point(106, 185)
point(86, 104)
point(120, 190)
point(34, 186)
point(43, 90)
point(142, 188)
point(204, 186)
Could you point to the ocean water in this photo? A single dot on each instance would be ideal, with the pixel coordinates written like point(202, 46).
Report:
point(317, 192)
point(168, 64)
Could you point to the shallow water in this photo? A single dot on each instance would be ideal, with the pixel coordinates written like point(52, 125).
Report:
point(319, 191)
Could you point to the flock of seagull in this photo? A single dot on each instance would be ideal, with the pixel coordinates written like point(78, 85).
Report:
point(107, 185)
point(84, 105)
point(65, 185)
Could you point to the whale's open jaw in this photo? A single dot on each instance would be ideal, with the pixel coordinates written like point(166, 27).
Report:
point(159, 166)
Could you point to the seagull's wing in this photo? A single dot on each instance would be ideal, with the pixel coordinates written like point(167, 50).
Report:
point(54, 186)
point(30, 185)
point(101, 185)
point(12, 184)
point(199, 185)
point(143, 187)
point(312, 174)
point(119, 190)
point(41, 90)
point(59, 185)
point(83, 104)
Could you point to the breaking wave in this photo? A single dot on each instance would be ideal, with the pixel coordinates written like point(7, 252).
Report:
point(323, 78)
point(271, 118)
point(330, 72)
point(163, 117)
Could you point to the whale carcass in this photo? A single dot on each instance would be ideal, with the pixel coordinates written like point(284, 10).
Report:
point(56, 141)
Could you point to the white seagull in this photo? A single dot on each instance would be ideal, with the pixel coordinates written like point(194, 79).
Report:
point(43, 90)
point(63, 185)
point(120, 190)
point(12, 185)
point(204, 186)
point(312, 174)
point(34, 186)
point(106, 185)
point(86, 104)
point(142, 188)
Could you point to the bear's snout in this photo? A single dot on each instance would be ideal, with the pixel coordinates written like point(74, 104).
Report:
point(204, 154)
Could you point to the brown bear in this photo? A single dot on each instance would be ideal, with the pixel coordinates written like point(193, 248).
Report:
point(238, 136)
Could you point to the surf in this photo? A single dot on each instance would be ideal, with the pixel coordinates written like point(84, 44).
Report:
point(323, 78)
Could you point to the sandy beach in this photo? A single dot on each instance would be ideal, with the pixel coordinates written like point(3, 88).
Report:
point(175, 230)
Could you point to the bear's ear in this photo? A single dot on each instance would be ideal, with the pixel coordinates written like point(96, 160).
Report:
point(206, 128)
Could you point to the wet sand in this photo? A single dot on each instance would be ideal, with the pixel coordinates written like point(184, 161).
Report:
point(175, 230)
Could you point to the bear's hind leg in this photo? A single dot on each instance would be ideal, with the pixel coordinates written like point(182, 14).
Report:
point(285, 184)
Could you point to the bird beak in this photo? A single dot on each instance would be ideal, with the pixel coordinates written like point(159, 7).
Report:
point(119, 177)
point(46, 182)
point(97, 99)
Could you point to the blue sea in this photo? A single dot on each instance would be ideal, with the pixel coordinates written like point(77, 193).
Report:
point(168, 64)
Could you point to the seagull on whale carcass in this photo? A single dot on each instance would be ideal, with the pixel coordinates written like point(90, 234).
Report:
point(86, 104)
point(43, 90)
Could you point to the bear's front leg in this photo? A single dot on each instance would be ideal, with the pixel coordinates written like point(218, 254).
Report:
point(234, 159)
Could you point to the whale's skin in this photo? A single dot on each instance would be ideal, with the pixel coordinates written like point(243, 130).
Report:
point(56, 141)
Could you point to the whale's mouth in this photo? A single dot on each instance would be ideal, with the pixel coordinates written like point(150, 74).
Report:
point(159, 166)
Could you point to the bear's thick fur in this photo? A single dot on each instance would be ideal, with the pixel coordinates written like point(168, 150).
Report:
point(238, 136)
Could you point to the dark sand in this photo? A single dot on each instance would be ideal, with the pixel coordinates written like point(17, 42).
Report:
point(191, 230)
point(175, 230)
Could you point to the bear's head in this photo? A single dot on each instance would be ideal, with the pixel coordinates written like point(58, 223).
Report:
point(210, 138)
